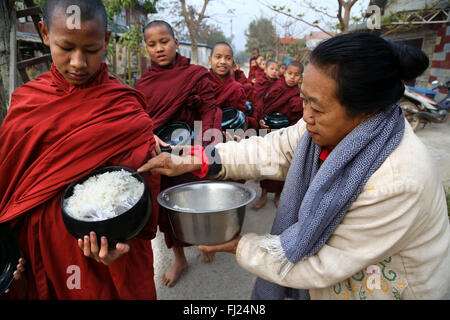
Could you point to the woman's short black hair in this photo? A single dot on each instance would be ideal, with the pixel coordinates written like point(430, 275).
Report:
point(368, 69)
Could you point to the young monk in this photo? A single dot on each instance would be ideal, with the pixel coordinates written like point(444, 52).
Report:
point(253, 64)
point(282, 70)
point(239, 75)
point(284, 97)
point(61, 126)
point(263, 84)
point(176, 90)
point(228, 92)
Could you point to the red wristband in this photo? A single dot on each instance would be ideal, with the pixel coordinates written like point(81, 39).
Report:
point(199, 151)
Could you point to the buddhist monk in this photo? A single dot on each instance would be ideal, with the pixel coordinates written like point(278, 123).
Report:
point(282, 70)
point(284, 97)
point(253, 65)
point(61, 126)
point(176, 90)
point(228, 92)
point(263, 83)
point(239, 75)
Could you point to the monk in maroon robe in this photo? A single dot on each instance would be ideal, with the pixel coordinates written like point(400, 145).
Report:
point(284, 97)
point(61, 126)
point(262, 86)
point(176, 90)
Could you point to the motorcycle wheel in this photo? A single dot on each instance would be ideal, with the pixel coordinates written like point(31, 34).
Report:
point(410, 109)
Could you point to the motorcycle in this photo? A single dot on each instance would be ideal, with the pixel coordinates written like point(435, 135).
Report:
point(420, 108)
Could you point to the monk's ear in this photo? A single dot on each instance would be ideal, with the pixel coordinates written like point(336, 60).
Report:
point(44, 32)
point(209, 60)
point(177, 44)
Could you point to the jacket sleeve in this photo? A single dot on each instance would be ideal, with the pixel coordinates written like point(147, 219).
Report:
point(258, 157)
point(378, 225)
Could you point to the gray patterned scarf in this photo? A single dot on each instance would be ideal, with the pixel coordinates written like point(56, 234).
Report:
point(324, 193)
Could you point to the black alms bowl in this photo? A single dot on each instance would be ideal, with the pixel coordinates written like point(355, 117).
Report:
point(233, 118)
point(277, 120)
point(175, 133)
point(9, 257)
point(118, 229)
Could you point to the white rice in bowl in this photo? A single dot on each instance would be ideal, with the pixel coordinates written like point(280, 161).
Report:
point(104, 196)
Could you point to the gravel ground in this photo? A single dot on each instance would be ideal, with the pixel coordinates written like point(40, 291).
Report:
point(223, 279)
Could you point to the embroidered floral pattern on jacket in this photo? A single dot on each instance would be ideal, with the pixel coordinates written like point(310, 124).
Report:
point(375, 281)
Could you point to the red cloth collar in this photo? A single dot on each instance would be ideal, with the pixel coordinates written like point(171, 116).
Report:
point(324, 154)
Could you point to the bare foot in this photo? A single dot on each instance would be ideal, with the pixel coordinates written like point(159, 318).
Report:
point(277, 200)
point(262, 201)
point(171, 276)
point(208, 257)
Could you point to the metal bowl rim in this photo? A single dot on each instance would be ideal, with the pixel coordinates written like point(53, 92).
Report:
point(239, 185)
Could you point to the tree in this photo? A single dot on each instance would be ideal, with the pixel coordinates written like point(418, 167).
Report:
point(343, 15)
point(4, 58)
point(193, 20)
point(211, 34)
point(131, 37)
point(261, 34)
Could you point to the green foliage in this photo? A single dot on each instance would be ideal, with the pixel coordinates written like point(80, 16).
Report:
point(132, 37)
point(261, 34)
point(295, 47)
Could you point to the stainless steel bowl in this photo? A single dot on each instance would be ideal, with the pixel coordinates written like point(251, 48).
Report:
point(206, 212)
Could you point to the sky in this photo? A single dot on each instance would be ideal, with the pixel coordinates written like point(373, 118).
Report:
point(234, 16)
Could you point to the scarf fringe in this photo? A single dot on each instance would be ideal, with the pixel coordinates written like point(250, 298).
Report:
point(272, 244)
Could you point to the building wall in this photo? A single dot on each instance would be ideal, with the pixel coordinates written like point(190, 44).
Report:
point(204, 52)
point(440, 63)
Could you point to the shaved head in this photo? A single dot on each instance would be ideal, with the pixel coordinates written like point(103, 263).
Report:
point(160, 23)
point(89, 10)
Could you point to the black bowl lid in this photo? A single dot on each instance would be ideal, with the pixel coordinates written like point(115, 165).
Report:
point(9, 257)
point(175, 133)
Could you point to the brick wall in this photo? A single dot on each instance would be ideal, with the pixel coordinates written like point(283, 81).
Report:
point(440, 62)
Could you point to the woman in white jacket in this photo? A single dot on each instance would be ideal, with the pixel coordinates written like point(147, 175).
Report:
point(363, 214)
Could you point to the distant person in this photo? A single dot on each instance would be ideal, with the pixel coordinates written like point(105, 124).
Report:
point(176, 90)
point(253, 65)
point(282, 70)
point(284, 97)
point(263, 83)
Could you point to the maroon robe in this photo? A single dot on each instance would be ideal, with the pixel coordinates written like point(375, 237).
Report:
point(53, 134)
point(179, 92)
point(228, 92)
point(262, 86)
point(284, 99)
point(240, 77)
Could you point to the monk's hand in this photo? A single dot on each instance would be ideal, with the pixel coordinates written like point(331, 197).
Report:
point(229, 246)
point(159, 144)
point(172, 165)
point(20, 268)
point(89, 246)
point(229, 137)
point(263, 125)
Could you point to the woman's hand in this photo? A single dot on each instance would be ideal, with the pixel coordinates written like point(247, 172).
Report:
point(159, 144)
point(89, 246)
point(19, 270)
point(171, 165)
point(229, 246)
